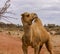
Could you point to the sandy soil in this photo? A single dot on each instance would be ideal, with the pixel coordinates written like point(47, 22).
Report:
point(12, 45)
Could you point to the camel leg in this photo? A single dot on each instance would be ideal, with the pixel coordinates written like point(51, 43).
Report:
point(49, 47)
point(40, 49)
point(24, 48)
point(36, 49)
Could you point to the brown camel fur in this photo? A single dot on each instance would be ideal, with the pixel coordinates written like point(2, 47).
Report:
point(35, 34)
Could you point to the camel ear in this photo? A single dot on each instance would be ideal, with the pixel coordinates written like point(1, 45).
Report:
point(22, 20)
point(22, 14)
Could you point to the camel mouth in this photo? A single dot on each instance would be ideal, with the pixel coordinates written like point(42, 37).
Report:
point(33, 21)
point(36, 17)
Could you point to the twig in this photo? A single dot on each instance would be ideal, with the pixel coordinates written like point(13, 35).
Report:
point(10, 13)
point(9, 17)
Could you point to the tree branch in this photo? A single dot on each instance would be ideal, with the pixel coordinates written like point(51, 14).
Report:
point(9, 17)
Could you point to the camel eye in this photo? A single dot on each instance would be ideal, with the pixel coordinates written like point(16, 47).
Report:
point(27, 15)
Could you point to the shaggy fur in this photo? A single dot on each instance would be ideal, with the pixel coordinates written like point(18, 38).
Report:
point(35, 34)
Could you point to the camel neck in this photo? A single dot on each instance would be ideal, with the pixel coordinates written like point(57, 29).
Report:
point(26, 28)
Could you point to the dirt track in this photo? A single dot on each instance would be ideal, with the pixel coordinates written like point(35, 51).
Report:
point(10, 45)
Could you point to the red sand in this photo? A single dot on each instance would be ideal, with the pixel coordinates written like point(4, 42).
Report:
point(10, 45)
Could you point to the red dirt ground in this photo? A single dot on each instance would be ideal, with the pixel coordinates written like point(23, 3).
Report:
point(10, 45)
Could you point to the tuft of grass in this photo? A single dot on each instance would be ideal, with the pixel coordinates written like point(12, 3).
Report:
point(0, 30)
point(9, 33)
point(57, 33)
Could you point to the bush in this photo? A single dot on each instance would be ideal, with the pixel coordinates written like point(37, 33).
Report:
point(9, 33)
point(0, 31)
point(57, 33)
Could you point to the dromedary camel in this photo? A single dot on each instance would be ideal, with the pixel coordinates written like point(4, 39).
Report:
point(35, 35)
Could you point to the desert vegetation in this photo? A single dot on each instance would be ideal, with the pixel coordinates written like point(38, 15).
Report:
point(52, 28)
point(13, 28)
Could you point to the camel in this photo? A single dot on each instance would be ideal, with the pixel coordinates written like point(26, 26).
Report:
point(35, 35)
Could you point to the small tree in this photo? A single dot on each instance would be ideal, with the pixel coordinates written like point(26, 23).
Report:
point(3, 10)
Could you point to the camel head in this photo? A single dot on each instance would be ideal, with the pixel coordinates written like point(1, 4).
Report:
point(27, 18)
